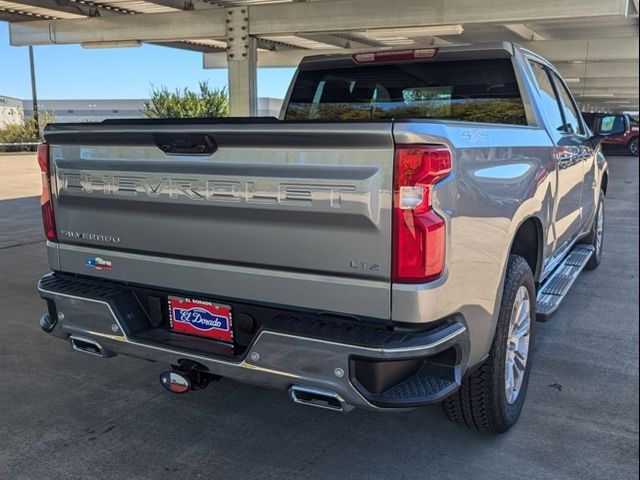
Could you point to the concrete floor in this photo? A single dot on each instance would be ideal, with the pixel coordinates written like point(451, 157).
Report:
point(19, 175)
point(67, 415)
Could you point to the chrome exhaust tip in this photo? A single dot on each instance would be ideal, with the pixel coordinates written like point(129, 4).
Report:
point(317, 397)
point(86, 345)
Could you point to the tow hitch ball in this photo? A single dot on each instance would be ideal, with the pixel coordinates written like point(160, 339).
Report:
point(187, 375)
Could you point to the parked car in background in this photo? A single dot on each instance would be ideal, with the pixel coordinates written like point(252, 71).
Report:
point(389, 243)
point(628, 141)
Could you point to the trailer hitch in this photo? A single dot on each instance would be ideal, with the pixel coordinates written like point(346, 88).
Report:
point(187, 375)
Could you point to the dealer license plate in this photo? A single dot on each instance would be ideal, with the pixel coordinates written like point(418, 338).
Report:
point(201, 318)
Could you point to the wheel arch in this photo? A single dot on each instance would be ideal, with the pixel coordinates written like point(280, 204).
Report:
point(604, 184)
point(528, 242)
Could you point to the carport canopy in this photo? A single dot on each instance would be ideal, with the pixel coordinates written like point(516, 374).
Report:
point(594, 43)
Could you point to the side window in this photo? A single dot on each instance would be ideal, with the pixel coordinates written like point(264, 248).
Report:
point(571, 113)
point(550, 103)
point(618, 123)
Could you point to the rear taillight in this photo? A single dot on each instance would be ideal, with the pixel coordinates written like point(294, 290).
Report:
point(419, 233)
point(46, 203)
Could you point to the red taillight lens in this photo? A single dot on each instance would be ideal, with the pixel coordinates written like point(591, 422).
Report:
point(46, 203)
point(419, 233)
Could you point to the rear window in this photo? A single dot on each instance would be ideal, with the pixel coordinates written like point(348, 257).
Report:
point(470, 90)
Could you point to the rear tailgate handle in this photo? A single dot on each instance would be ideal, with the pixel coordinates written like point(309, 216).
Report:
point(185, 144)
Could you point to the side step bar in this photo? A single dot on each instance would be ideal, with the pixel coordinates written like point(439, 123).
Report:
point(553, 291)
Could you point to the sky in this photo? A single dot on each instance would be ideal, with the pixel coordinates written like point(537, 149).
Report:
point(72, 72)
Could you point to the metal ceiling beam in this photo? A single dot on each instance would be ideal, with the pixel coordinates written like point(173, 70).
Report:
point(88, 9)
point(611, 83)
point(63, 6)
point(524, 31)
point(282, 58)
point(609, 97)
point(13, 16)
point(310, 17)
point(627, 102)
point(92, 9)
point(322, 17)
point(273, 45)
point(605, 70)
point(182, 4)
point(342, 41)
point(157, 27)
point(607, 92)
point(192, 47)
point(587, 50)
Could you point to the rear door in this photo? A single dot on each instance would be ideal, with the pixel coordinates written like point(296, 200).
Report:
point(579, 134)
point(569, 138)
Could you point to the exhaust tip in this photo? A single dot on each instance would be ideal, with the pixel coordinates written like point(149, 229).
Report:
point(317, 397)
point(86, 345)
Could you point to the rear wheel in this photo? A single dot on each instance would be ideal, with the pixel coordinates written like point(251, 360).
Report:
point(491, 398)
point(633, 146)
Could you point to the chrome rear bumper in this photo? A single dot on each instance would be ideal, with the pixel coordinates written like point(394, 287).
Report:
point(274, 359)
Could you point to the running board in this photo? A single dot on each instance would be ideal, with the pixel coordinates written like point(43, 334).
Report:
point(553, 290)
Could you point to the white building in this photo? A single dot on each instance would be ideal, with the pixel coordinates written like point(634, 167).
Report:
point(10, 111)
point(87, 110)
point(98, 110)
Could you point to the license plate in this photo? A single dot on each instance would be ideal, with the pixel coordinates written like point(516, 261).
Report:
point(201, 318)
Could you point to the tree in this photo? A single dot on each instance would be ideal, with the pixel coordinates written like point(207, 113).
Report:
point(24, 132)
point(186, 103)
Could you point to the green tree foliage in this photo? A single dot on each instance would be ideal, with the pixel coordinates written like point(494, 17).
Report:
point(186, 103)
point(503, 110)
point(24, 132)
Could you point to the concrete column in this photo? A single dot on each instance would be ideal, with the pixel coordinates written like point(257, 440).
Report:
point(242, 64)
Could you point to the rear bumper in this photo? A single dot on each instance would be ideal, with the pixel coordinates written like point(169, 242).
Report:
point(404, 370)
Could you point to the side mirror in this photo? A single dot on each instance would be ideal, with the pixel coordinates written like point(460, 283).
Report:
point(611, 126)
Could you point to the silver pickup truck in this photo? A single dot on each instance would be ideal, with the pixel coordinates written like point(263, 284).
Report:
point(387, 244)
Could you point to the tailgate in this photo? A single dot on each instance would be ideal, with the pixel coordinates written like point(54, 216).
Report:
point(309, 199)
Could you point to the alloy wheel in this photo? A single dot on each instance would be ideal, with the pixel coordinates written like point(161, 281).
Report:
point(599, 229)
point(517, 344)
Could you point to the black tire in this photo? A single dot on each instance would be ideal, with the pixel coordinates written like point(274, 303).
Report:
point(481, 402)
point(592, 239)
point(633, 147)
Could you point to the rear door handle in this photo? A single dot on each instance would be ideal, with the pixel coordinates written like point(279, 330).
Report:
point(185, 143)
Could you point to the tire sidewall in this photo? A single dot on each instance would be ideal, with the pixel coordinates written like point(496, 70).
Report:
point(630, 146)
point(601, 207)
point(511, 412)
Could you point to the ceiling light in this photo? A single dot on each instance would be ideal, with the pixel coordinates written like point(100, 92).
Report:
point(572, 80)
point(397, 41)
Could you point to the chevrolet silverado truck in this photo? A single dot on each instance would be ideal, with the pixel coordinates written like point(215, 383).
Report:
point(387, 244)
